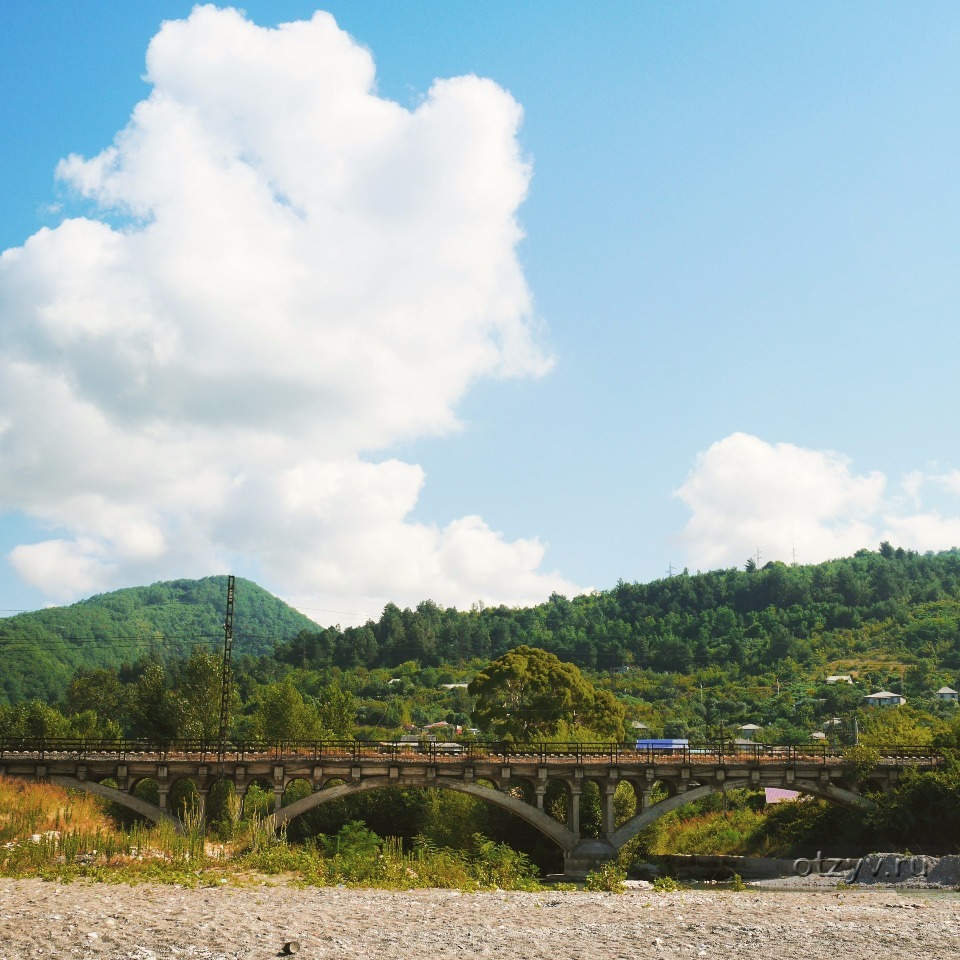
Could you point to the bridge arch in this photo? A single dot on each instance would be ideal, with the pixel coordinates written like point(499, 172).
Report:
point(826, 791)
point(523, 789)
point(874, 785)
point(128, 800)
point(543, 822)
point(830, 791)
point(627, 831)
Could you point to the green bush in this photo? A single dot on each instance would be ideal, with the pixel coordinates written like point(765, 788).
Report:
point(608, 878)
point(668, 885)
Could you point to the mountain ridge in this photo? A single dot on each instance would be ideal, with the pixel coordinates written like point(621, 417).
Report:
point(42, 649)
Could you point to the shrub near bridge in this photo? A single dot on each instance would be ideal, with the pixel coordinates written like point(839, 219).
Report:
point(610, 878)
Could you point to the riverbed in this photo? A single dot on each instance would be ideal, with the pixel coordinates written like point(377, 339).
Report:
point(156, 922)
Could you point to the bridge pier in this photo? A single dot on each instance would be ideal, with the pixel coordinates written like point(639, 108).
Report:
point(573, 810)
point(202, 803)
point(587, 855)
point(607, 819)
point(278, 778)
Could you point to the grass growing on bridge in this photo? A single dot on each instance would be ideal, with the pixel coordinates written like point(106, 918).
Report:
point(49, 832)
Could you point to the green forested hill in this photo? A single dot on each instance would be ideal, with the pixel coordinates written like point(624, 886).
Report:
point(691, 650)
point(876, 606)
point(39, 652)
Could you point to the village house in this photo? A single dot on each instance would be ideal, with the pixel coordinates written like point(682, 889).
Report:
point(884, 698)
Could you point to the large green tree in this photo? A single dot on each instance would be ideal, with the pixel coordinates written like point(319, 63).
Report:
point(282, 714)
point(530, 694)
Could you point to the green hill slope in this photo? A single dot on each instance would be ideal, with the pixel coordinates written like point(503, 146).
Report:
point(39, 652)
point(891, 606)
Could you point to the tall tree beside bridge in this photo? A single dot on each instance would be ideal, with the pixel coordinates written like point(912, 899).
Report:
point(529, 694)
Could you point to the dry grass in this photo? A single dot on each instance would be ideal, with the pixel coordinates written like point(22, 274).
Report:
point(49, 832)
point(27, 809)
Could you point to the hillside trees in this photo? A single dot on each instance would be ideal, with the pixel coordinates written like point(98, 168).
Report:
point(281, 712)
point(100, 690)
point(899, 604)
point(775, 614)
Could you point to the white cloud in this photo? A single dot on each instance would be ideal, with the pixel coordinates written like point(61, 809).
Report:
point(745, 494)
point(950, 481)
point(290, 273)
point(922, 531)
point(64, 569)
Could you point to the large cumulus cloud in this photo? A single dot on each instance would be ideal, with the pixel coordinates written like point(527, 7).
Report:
point(285, 273)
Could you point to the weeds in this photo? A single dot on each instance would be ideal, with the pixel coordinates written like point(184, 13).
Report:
point(668, 885)
point(46, 833)
point(607, 879)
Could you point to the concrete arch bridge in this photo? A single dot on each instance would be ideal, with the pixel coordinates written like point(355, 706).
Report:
point(513, 777)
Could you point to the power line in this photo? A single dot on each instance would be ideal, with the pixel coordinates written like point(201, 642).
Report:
point(159, 638)
point(345, 613)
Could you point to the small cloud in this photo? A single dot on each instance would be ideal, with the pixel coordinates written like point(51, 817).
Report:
point(912, 483)
point(63, 569)
point(948, 481)
point(744, 493)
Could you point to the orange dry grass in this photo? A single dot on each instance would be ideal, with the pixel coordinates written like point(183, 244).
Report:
point(27, 808)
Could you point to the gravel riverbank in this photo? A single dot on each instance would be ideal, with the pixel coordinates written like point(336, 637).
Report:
point(153, 922)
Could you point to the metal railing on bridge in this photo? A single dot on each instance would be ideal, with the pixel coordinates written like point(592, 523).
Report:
point(202, 751)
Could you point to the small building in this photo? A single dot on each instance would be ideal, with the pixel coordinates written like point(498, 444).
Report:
point(948, 694)
point(439, 726)
point(841, 678)
point(749, 730)
point(454, 686)
point(884, 698)
point(818, 735)
point(779, 795)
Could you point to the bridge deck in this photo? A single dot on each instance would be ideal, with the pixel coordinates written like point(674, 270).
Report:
point(605, 754)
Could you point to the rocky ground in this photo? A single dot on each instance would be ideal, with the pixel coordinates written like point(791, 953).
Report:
point(152, 922)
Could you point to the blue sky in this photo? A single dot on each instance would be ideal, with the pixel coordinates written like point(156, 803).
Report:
point(740, 245)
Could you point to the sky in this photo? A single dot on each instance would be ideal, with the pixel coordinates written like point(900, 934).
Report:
point(474, 303)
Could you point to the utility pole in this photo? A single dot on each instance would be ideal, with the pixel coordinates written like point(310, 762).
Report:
point(227, 675)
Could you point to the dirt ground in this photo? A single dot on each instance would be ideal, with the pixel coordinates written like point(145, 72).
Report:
point(152, 922)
